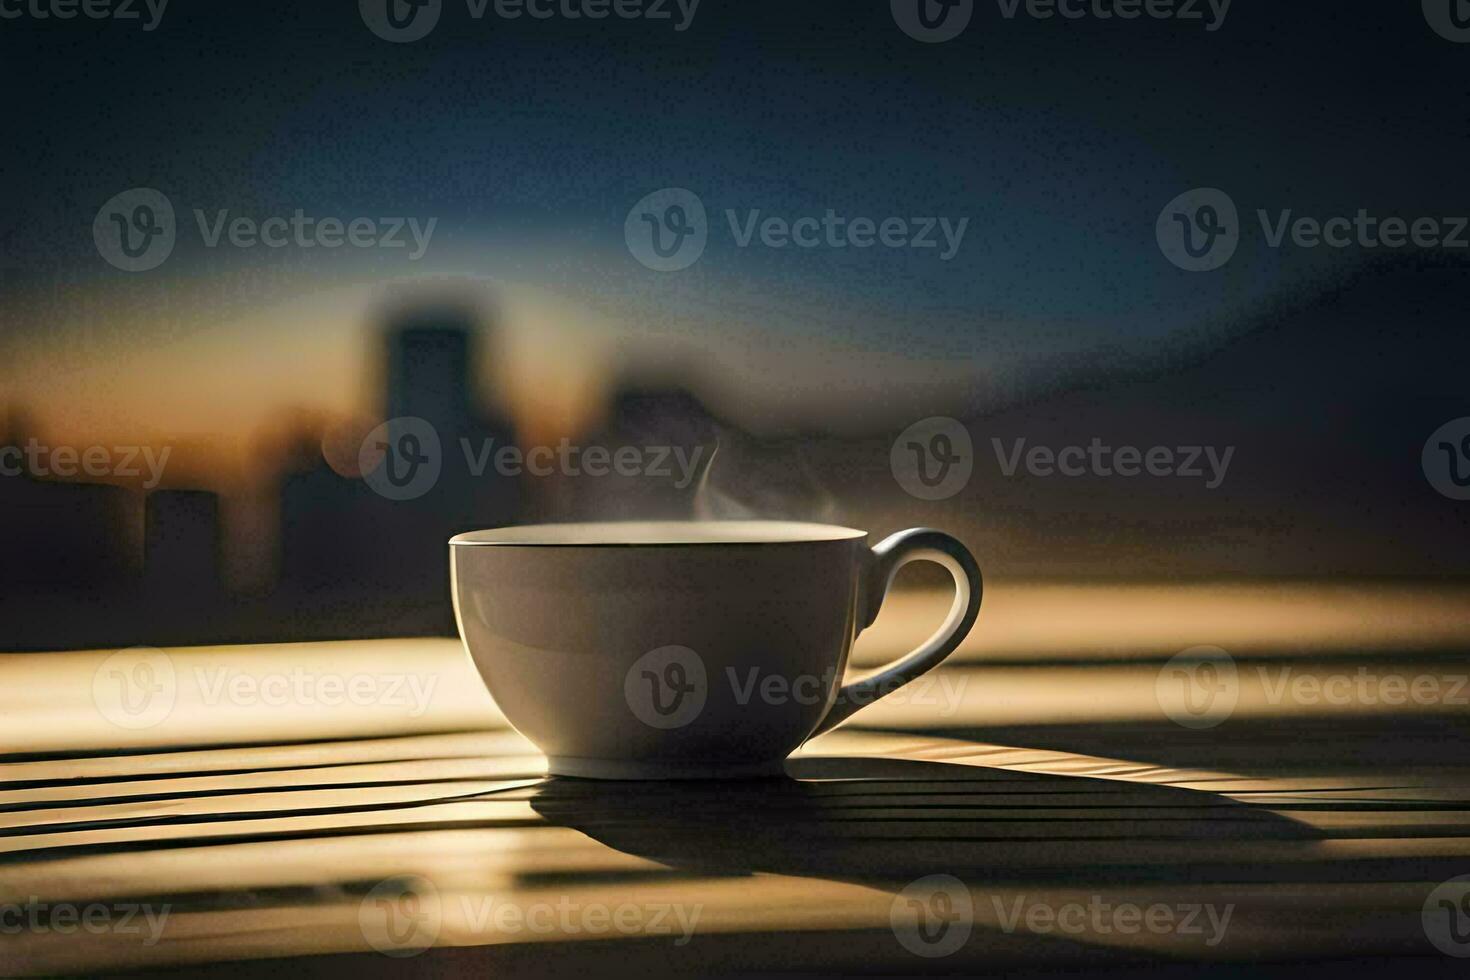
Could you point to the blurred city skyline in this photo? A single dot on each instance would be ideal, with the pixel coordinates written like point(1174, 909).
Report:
point(484, 129)
point(1262, 403)
point(524, 149)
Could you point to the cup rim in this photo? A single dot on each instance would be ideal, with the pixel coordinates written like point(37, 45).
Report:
point(656, 534)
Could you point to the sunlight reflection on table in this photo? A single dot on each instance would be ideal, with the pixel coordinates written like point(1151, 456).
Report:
point(1040, 768)
point(50, 702)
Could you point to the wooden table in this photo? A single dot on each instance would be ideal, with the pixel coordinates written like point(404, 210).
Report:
point(1038, 812)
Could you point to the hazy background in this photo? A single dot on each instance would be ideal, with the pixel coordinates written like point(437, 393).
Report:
point(1058, 321)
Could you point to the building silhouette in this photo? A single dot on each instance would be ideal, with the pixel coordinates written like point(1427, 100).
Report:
point(372, 562)
point(69, 556)
point(58, 535)
point(182, 545)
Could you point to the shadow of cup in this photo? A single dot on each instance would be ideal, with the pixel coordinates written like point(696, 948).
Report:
point(883, 821)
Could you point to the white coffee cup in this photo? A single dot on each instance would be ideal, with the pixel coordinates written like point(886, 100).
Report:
point(667, 650)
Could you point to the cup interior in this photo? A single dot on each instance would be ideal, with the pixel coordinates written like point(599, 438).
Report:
point(632, 534)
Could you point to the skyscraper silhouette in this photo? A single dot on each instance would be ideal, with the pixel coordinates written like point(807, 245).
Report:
point(389, 558)
point(430, 364)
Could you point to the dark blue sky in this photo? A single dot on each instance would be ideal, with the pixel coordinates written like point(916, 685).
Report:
point(1059, 141)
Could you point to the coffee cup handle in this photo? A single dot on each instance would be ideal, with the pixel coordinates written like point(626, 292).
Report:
point(884, 561)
